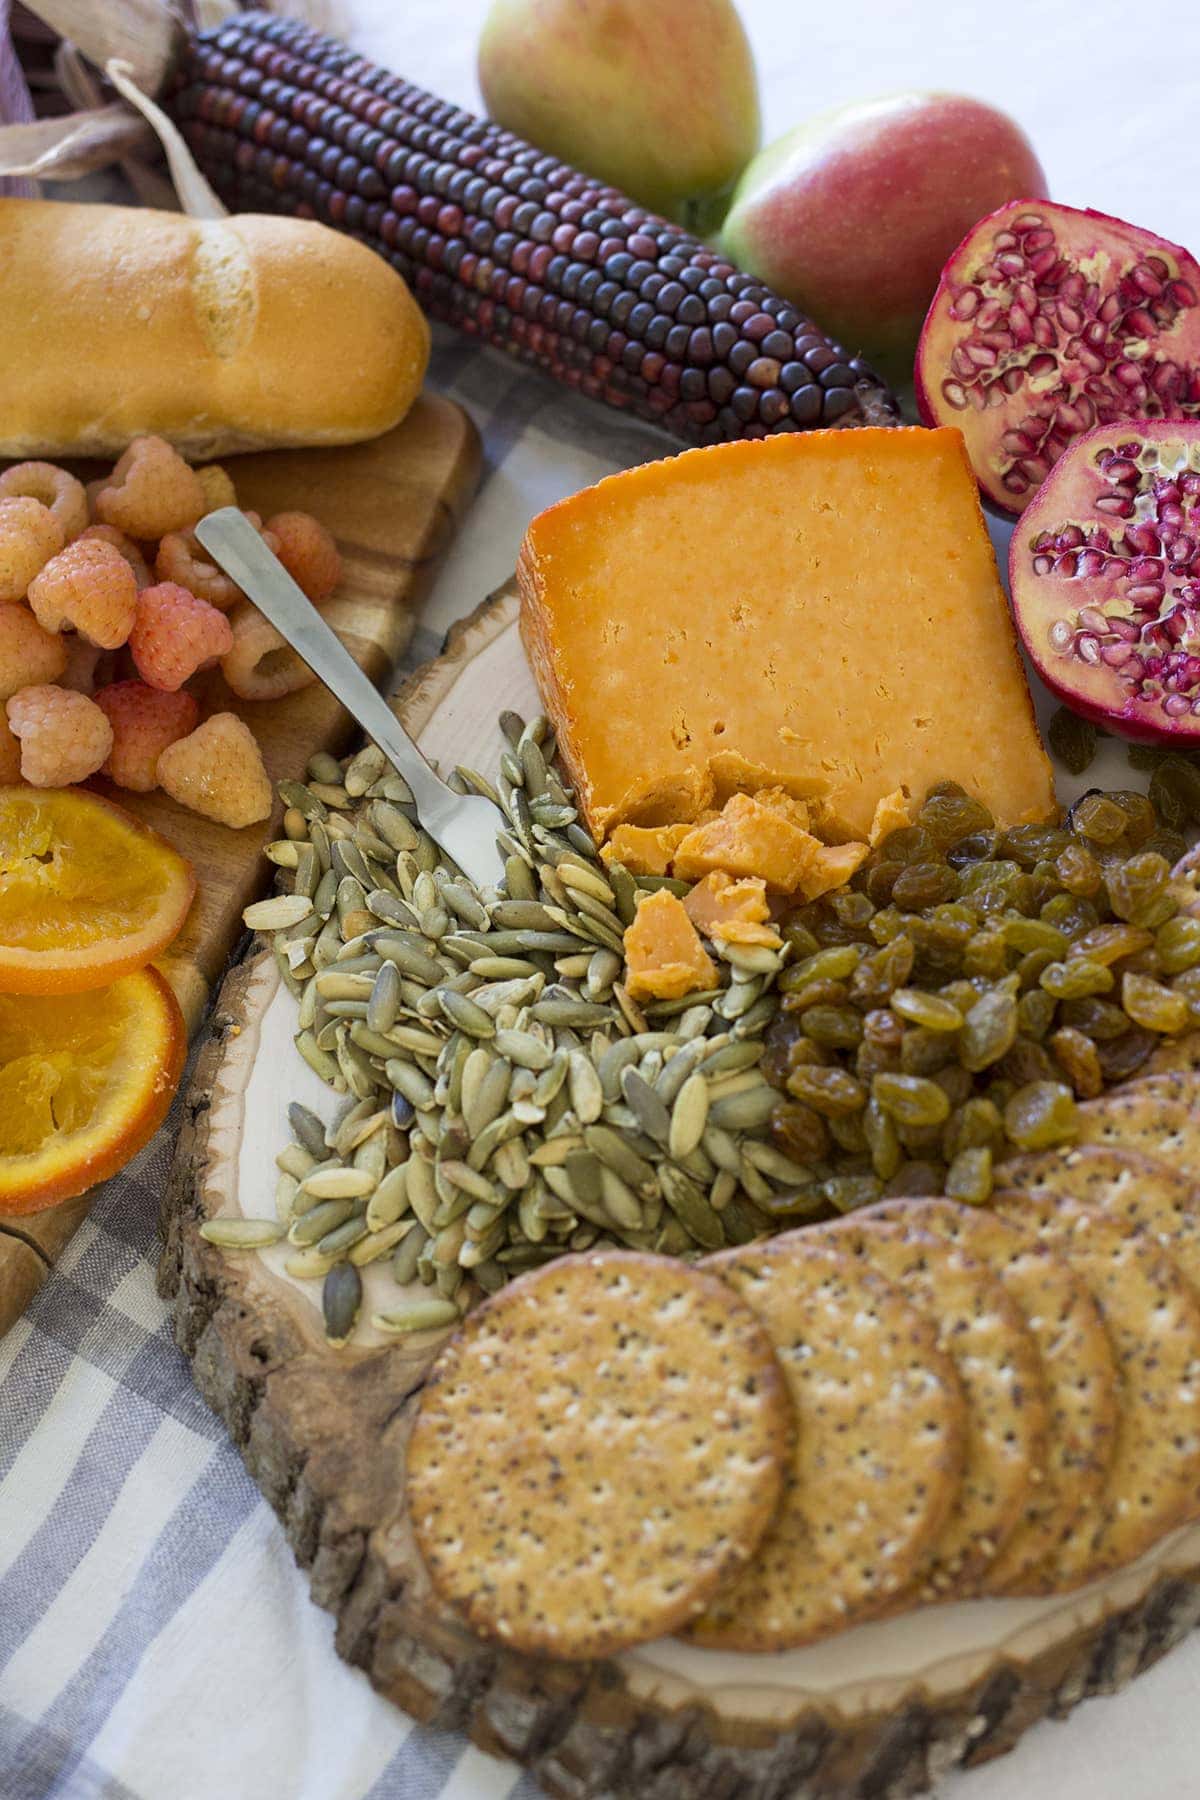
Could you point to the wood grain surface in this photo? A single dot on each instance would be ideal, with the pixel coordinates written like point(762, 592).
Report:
point(324, 1434)
point(393, 504)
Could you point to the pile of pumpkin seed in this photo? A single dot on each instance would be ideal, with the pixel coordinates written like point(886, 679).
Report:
point(506, 1100)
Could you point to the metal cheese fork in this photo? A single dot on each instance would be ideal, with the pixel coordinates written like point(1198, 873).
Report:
point(465, 825)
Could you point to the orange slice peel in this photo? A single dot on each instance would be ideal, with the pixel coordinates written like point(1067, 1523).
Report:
point(85, 1081)
point(87, 893)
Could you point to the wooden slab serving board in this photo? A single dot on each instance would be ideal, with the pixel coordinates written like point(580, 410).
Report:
point(393, 505)
point(882, 1712)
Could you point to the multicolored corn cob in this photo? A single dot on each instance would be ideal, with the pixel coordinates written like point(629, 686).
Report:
point(507, 243)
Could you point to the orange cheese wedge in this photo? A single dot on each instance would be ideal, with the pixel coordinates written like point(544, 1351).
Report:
point(664, 958)
point(819, 612)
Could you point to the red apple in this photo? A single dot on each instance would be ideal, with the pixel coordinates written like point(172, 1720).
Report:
point(853, 215)
point(657, 97)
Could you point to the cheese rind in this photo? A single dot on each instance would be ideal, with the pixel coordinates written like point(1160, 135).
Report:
point(819, 612)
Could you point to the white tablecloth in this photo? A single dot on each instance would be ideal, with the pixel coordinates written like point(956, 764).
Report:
point(156, 1640)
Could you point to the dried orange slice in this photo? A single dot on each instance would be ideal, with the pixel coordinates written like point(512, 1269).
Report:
point(85, 1081)
point(87, 893)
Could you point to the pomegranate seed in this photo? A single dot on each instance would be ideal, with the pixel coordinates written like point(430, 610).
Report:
point(1069, 317)
point(1041, 264)
point(1040, 365)
point(1148, 282)
point(1089, 359)
point(966, 303)
point(1088, 649)
point(1014, 483)
point(1030, 222)
point(1070, 538)
point(1036, 471)
point(1118, 505)
point(961, 362)
point(1128, 374)
point(1044, 333)
point(1037, 240)
point(1091, 564)
point(1176, 705)
point(1146, 594)
point(1181, 293)
point(1020, 324)
point(1060, 635)
point(1042, 565)
point(1110, 309)
point(1010, 263)
point(1115, 655)
point(1012, 379)
point(1067, 565)
point(1004, 240)
point(1015, 443)
point(1182, 550)
point(1139, 321)
point(954, 395)
point(1025, 295)
point(990, 313)
point(1124, 629)
point(1092, 619)
point(1120, 469)
point(982, 355)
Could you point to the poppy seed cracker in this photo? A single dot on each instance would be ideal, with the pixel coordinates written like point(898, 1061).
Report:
point(599, 1446)
point(996, 1361)
point(1077, 1369)
point(1153, 1323)
point(878, 1446)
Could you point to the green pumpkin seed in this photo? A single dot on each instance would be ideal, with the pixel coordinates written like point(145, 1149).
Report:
point(311, 1226)
point(689, 1116)
point(522, 1048)
point(241, 1234)
point(417, 1315)
point(745, 1111)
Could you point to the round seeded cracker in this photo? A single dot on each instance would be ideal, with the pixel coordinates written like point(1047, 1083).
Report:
point(1123, 1183)
point(1179, 1053)
point(1160, 1117)
point(878, 1446)
point(1153, 1323)
point(996, 1361)
point(1077, 1369)
point(598, 1447)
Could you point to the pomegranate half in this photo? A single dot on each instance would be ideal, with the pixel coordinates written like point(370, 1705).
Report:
point(1104, 567)
point(1048, 321)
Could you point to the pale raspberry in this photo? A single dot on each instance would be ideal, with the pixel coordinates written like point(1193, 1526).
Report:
point(10, 753)
point(64, 736)
point(29, 536)
point(218, 487)
point(307, 552)
point(144, 721)
point(183, 559)
point(175, 634)
point(54, 487)
point(108, 534)
point(90, 586)
point(28, 655)
point(151, 491)
point(218, 771)
point(261, 665)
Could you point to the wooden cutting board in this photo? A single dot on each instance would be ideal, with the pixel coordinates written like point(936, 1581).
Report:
point(885, 1710)
point(393, 505)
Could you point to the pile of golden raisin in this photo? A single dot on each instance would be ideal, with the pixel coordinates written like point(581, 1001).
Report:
point(968, 987)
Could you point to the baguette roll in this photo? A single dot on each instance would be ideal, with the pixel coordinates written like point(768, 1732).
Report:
point(245, 333)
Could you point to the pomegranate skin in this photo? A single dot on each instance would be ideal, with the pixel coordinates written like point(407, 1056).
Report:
point(857, 210)
point(1047, 322)
point(1104, 570)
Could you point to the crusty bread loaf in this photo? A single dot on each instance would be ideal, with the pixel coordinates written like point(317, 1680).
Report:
point(221, 335)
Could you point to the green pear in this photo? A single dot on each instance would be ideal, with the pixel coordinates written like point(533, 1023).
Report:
point(656, 97)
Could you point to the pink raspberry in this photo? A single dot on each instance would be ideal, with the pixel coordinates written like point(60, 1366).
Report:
point(28, 655)
point(64, 736)
point(91, 587)
point(218, 771)
point(144, 721)
point(308, 553)
point(175, 634)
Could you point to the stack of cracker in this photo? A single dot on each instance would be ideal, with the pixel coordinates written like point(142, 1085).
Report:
point(921, 1402)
